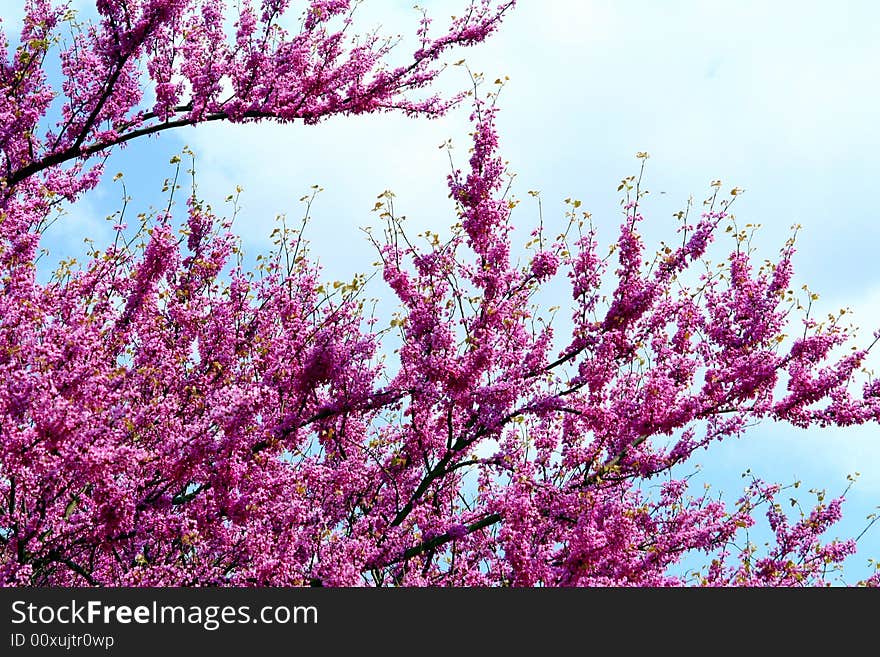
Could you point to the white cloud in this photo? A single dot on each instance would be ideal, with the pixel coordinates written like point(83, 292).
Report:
point(65, 237)
point(354, 159)
point(865, 306)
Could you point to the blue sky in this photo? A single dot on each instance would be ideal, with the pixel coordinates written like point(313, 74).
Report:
point(778, 98)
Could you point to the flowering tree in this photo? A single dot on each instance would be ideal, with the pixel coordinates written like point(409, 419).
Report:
point(169, 418)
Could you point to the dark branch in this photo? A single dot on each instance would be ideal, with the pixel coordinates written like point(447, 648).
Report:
point(73, 153)
point(442, 539)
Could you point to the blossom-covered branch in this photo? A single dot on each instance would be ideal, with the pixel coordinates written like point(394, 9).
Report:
point(201, 69)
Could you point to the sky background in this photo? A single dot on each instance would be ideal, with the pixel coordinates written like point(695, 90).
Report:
point(778, 98)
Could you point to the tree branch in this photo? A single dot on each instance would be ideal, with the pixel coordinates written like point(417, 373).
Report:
point(72, 153)
point(442, 539)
